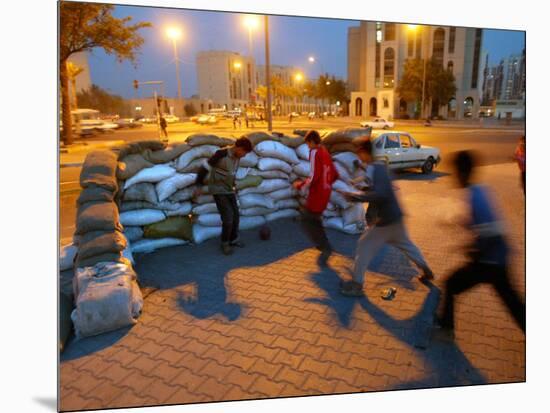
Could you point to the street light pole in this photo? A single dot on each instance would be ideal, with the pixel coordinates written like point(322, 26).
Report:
point(177, 69)
point(268, 74)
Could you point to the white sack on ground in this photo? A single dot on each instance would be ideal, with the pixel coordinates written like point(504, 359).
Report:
point(66, 256)
point(255, 211)
point(284, 213)
point(148, 245)
point(342, 186)
point(169, 186)
point(338, 199)
point(141, 217)
point(283, 193)
point(201, 233)
point(250, 160)
point(346, 159)
point(133, 233)
point(337, 223)
point(302, 169)
point(267, 186)
point(269, 174)
point(273, 149)
point(183, 209)
point(287, 203)
point(271, 164)
point(205, 209)
point(354, 214)
point(202, 151)
point(209, 220)
point(242, 173)
point(143, 191)
point(303, 151)
point(343, 173)
point(328, 213)
point(293, 177)
point(182, 195)
point(155, 174)
point(195, 165)
point(255, 200)
point(204, 199)
point(251, 222)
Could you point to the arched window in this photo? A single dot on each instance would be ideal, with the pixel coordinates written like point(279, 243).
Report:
point(451, 108)
point(389, 67)
point(450, 66)
point(358, 107)
point(468, 107)
point(438, 46)
point(372, 107)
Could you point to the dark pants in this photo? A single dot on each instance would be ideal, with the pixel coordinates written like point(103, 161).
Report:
point(164, 132)
point(229, 212)
point(313, 226)
point(476, 273)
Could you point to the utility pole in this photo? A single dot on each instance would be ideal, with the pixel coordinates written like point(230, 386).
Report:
point(268, 75)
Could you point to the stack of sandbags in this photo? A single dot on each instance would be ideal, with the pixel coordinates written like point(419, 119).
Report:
point(341, 140)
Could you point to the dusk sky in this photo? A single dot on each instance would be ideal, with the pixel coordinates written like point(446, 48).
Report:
point(293, 39)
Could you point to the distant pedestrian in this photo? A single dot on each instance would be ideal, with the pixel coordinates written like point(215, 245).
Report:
point(386, 228)
point(163, 127)
point(488, 254)
point(246, 118)
point(519, 156)
point(235, 120)
point(318, 187)
point(221, 171)
point(290, 117)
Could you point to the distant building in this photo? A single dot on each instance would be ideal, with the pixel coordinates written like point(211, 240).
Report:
point(226, 78)
point(376, 56)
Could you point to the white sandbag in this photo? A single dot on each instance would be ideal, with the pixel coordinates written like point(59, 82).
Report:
point(338, 199)
point(293, 177)
point(209, 220)
point(331, 207)
point(250, 160)
point(255, 211)
point(202, 151)
point(267, 186)
point(343, 173)
point(284, 213)
point(287, 203)
point(205, 209)
point(273, 149)
point(154, 174)
point(182, 195)
point(329, 213)
point(341, 186)
point(302, 169)
point(283, 193)
point(127, 253)
point(107, 298)
point(337, 223)
point(269, 174)
point(204, 199)
point(148, 245)
point(242, 173)
point(255, 200)
point(354, 214)
point(251, 222)
point(347, 160)
point(202, 233)
point(169, 186)
point(271, 164)
point(141, 217)
point(303, 151)
point(133, 233)
point(183, 209)
point(195, 165)
point(66, 256)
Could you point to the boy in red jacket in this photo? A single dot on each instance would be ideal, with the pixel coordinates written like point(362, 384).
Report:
point(318, 187)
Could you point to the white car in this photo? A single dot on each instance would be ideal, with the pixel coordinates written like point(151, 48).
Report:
point(400, 151)
point(207, 120)
point(378, 123)
point(171, 118)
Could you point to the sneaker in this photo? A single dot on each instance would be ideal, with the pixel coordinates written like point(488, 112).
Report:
point(351, 289)
point(227, 249)
point(237, 243)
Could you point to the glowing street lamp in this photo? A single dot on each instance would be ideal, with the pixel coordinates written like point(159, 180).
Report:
point(237, 65)
point(175, 33)
point(327, 82)
point(299, 77)
point(311, 59)
point(251, 22)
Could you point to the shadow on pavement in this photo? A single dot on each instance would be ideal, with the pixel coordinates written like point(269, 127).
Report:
point(76, 348)
point(407, 175)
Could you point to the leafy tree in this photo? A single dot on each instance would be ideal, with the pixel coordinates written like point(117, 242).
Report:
point(83, 27)
point(99, 99)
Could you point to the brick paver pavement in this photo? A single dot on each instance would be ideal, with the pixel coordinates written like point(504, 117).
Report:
point(269, 322)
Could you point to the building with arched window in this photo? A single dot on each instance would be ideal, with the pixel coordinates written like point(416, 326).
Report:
point(377, 53)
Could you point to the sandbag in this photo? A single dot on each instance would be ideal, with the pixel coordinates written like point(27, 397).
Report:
point(97, 216)
point(282, 193)
point(242, 173)
point(141, 217)
point(202, 139)
point(67, 255)
point(133, 205)
point(287, 203)
point(154, 174)
point(131, 165)
point(202, 233)
point(127, 254)
point(292, 141)
point(145, 246)
point(341, 147)
point(267, 186)
point(143, 191)
point(99, 169)
point(354, 214)
point(203, 151)
point(183, 209)
point(273, 149)
point(269, 174)
point(169, 186)
point(302, 169)
point(328, 213)
point(108, 298)
point(270, 164)
point(345, 135)
point(248, 182)
point(182, 195)
point(204, 199)
point(94, 193)
point(250, 160)
point(284, 213)
point(195, 165)
point(112, 257)
point(100, 242)
point(255, 211)
point(133, 233)
point(247, 222)
point(346, 159)
point(138, 147)
point(337, 223)
point(257, 137)
point(303, 152)
point(205, 209)
point(343, 173)
point(172, 227)
point(337, 199)
point(209, 220)
point(165, 155)
point(341, 186)
point(255, 200)
point(293, 177)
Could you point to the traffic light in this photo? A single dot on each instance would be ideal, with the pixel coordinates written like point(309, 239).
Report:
point(136, 84)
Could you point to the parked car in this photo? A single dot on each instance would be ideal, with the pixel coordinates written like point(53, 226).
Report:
point(128, 123)
point(207, 120)
point(400, 151)
point(378, 123)
point(170, 118)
